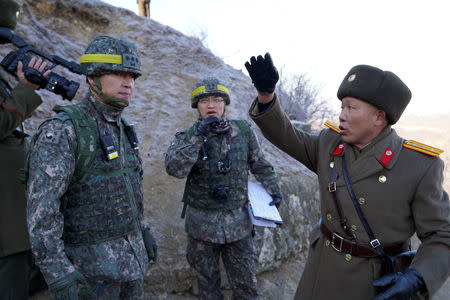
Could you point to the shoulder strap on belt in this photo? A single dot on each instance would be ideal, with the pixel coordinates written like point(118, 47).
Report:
point(388, 263)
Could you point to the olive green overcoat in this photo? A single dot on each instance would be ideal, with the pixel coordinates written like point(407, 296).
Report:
point(16, 104)
point(399, 198)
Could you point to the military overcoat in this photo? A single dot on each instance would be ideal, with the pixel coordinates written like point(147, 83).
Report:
point(399, 195)
point(16, 104)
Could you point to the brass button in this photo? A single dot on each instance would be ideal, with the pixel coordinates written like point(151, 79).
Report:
point(327, 243)
point(332, 164)
point(329, 217)
point(361, 200)
point(354, 227)
point(348, 257)
point(382, 179)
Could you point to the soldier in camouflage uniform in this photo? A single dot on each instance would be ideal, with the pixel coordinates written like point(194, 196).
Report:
point(17, 273)
point(84, 190)
point(215, 155)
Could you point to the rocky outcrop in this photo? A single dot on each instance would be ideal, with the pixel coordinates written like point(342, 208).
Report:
point(171, 64)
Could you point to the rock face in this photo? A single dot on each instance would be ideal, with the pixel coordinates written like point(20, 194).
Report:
point(171, 64)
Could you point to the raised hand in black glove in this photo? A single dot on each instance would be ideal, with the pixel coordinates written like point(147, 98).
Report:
point(150, 245)
point(263, 73)
point(205, 126)
point(399, 286)
point(276, 200)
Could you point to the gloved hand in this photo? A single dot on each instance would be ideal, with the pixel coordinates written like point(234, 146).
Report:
point(150, 245)
point(205, 126)
point(263, 73)
point(400, 286)
point(276, 200)
point(66, 288)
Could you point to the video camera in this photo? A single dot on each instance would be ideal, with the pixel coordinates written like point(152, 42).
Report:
point(53, 82)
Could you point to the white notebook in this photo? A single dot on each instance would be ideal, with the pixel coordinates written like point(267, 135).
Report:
point(259, 207)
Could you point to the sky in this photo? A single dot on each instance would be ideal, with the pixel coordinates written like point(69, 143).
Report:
point(325, 38)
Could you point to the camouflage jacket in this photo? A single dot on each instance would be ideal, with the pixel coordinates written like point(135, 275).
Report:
point(52, 164)
point(223, 225)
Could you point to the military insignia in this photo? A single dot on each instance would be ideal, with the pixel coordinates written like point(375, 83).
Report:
point(339, 149)
point(52, 137)
point(351, 77)
point(387, 156)
point(420, 147)
point(332, 126)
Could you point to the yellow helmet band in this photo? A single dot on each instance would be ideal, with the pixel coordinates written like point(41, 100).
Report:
point(202, 89)
point(101, 58)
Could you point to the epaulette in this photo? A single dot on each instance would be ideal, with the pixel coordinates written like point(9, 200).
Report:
point(332, 126)
point(414, 145)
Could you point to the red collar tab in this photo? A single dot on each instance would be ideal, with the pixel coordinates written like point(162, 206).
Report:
point(387, 156)
point(339, 149)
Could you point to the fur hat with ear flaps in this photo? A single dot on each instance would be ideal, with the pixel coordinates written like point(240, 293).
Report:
point(382, 89)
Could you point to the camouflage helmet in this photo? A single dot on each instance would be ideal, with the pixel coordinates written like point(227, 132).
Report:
point(209, 85)
point(9, 13)
point(106, 54)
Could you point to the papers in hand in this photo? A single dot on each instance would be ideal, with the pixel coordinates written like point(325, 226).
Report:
point(261, 213)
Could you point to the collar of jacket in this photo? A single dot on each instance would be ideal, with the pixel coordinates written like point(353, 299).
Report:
point(110, 113)
point(385, 150)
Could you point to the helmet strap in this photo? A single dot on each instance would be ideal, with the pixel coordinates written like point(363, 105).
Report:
point(113, 101)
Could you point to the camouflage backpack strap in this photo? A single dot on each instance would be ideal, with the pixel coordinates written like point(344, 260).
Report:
point(189, 133)
point(244, 127)
point(86, 136)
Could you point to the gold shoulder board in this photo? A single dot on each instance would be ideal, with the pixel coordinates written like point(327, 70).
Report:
point(411, 144)
point(332, 126)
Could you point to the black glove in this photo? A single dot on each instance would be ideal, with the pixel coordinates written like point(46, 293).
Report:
point(150, 245)
point(205, 126)
point(66, 288)
point(399, 286)
point(263, 73)
point(276, 200)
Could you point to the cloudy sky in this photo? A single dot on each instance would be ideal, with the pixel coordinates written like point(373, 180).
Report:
point(325, 38)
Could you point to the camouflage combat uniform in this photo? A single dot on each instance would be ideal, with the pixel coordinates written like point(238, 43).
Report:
point(68, 231)
point(216, 226)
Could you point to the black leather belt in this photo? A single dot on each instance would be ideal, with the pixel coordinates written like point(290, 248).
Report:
point(341, 244)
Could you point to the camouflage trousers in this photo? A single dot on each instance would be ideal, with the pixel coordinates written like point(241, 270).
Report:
point(239, 259)
point(113, 290)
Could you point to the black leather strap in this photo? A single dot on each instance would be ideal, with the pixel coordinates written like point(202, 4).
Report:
point(332, 189)
point(373, 240)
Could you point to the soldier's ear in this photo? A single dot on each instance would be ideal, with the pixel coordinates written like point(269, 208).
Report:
point(90, 80)
point(381, 118)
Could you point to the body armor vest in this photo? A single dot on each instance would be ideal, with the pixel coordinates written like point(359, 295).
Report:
point(207, 187)
point(104, 200)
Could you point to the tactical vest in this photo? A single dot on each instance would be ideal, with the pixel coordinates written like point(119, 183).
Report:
point(104, 200)
point(205, 176)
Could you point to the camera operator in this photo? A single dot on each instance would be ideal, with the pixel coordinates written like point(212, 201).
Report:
point(16, 104)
